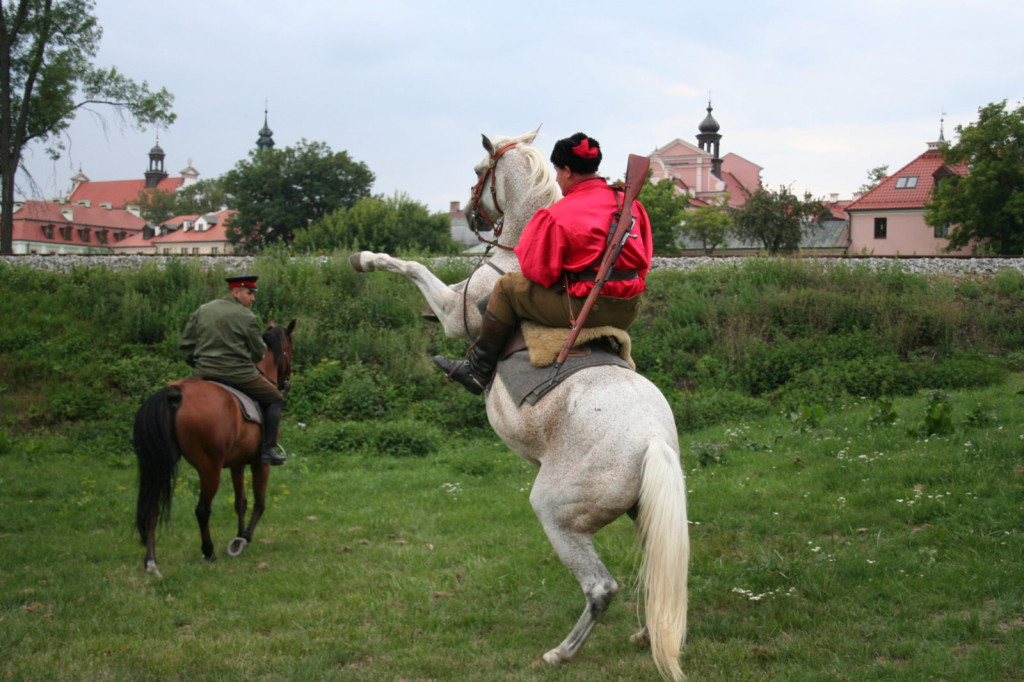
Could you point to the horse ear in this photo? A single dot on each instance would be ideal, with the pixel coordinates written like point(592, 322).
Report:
point(291, 327)
point(487, 145)
point(528, 138)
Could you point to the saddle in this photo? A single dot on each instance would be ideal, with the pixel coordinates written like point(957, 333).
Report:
point(250, 408)
point(527, 362)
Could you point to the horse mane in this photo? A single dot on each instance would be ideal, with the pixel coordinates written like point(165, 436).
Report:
point(542, 180)
point(273, 338)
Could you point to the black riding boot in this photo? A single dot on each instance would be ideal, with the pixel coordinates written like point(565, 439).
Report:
point(476, 369)
point(271, 420)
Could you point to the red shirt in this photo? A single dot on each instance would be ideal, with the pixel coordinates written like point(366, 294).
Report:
point(571, 234)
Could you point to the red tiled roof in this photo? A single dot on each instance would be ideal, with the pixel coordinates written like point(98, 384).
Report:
point(214, 233)
point(119, 193)
point(34, 215)
point(889, 194)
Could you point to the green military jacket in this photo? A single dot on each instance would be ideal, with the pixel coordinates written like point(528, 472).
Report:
point(223, 339)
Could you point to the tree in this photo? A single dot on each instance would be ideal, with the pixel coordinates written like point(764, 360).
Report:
point(160, 205)
point(777, 220)
point(666, 208)
point(280, 191)
point(392, 225)
point(708, 225)
point(875, 176)
point(47, 76)
point(986, 204)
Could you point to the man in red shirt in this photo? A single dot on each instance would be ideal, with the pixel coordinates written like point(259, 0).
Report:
point(559, 252)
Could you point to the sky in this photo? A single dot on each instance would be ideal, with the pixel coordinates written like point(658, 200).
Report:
point(817, 93)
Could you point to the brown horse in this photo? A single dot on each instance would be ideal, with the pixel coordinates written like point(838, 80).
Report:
point(202, 422)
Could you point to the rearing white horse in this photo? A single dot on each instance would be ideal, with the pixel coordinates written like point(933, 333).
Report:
point(604, 440)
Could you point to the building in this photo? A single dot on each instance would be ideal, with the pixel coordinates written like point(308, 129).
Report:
point(888, 220)
point(701, 172)
point(47, 227)
point(122, 194)
point(188, 235)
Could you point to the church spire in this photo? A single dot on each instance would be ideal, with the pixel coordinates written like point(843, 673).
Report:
point(156, 171)
point(266, 139)
point(709, 140)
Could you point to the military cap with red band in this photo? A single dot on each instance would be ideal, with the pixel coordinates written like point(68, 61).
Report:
point(247, 281)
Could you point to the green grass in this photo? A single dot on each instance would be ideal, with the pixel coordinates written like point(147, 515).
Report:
point(825, 547)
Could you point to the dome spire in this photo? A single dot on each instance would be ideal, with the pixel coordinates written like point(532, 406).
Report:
point(266, 139)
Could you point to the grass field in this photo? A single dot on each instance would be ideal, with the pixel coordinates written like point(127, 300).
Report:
point(855, 545)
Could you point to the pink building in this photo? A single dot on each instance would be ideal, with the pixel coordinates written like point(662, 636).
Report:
point(889, 219)
point(701, 172)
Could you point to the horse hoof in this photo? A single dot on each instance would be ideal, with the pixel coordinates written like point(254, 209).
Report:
point(356, 262)
point(152, 569)
point(209, 559)
point(553, 658)
point(641, 639)
point(237, 546)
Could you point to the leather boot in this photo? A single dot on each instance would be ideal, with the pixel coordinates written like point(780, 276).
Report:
point(476, 369)
point(271, 421)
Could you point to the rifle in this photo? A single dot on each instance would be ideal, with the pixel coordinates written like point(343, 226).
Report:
point(618, 233)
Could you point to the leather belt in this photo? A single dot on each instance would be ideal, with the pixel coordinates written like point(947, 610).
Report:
point(591, 275)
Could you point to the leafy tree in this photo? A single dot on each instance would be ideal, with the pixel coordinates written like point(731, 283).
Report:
point(391, 225)
point(159, 205)
point(987, 204)
point(666, 208)
point(875, 176)
point(708, 225)
point(281, 191)
point(156, 205)
point(47, 76)
point(777, 219)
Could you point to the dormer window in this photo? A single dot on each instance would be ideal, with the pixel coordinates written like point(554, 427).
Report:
point(906, 182)
point(83, 234)
point(65, 232)
point(48, 231)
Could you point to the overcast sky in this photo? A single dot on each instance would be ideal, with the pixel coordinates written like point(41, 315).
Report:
point(816, 93)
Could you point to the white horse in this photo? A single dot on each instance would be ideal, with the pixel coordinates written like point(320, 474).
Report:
point(604, 440)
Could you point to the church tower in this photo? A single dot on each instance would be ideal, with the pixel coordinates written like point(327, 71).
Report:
point(709, 140)
point(266, 139)
point(156, 171)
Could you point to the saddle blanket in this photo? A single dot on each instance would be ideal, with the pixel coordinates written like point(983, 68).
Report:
point(250, 408)
point(526, 371)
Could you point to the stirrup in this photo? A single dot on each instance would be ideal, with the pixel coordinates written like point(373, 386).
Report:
point(270, 456)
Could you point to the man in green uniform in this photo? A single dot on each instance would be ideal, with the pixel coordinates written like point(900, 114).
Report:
point(223, 341)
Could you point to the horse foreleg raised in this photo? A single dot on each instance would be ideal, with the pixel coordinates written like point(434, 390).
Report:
point(446, 302)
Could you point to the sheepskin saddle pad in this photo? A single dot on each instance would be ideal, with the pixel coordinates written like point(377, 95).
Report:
point(528, 360)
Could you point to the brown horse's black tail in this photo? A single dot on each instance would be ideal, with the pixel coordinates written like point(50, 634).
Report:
point(156, 448)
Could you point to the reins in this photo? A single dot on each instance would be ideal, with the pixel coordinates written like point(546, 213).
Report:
point(476, 193)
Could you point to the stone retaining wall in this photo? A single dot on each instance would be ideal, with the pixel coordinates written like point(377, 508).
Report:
point(944, 266)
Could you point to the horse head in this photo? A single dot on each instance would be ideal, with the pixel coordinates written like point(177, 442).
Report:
point(279, 351)
point(513, 181)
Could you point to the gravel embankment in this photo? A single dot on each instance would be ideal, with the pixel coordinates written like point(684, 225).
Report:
point(937, 266)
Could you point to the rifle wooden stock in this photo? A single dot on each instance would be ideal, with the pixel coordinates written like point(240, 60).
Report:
point(636, 175)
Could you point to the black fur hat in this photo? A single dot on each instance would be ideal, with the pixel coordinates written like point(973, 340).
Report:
point(579, 153)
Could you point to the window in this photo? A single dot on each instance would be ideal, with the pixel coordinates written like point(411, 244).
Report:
point(942, 230)
point(48, 231)
point(906, 182)
point(881, 225)
point(213, 251)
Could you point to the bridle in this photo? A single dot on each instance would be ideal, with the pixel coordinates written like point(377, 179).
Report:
point(476, 193)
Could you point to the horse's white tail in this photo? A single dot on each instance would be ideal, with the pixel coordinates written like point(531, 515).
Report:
point(665, 534)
